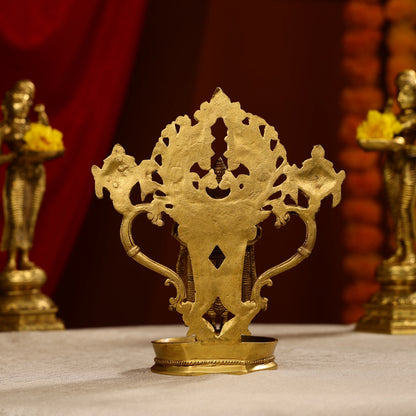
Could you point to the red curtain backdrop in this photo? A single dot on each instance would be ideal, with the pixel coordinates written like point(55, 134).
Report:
point(80, 56)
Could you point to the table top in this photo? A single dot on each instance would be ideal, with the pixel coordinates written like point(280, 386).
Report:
point(323, 370)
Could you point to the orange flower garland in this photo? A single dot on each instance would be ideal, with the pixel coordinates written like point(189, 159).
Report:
point(348, 128)
point(363, 71)
point(357, 159)
point(401, 39)
point(363, 14)
point(359, 99)
point(401, 10)
point(363, 236)
point(367, 183)
point(361, 42)
point(363, 210)
point(401, 44)
point(362, 266)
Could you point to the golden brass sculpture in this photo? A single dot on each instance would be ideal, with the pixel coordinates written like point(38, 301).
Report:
point(392, 309)
point(217, 213)
point(22, 305)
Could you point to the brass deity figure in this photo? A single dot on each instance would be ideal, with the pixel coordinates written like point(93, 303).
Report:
point(393, 308)
point(22, 306)
point(217, 206)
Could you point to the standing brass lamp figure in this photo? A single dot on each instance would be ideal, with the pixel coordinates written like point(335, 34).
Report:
point(22, 305)
point(392, 309)
point(217, 210)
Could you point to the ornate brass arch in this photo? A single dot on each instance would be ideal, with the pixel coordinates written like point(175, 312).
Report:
point(228, 222)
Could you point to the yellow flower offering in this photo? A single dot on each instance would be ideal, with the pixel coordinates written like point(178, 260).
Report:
point(379, 126)
point(43, 138)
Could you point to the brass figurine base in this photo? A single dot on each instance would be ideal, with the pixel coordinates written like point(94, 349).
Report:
point(187, 357)
point(392, 310)
point(22, 306)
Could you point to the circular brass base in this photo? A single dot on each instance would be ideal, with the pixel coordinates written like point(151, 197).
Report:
point(187, 357)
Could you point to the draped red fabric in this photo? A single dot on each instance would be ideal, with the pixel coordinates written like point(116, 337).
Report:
point(80, 56)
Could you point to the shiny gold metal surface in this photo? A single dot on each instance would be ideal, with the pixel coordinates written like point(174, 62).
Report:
point(22, 305)
point(217, 202)
point(182, 356)
point(392, 309)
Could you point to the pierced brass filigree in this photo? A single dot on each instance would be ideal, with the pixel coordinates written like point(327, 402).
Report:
point(217, 213)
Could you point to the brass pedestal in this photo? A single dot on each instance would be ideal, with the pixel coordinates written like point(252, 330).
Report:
point(392, 310)
point(188, 357)
point(22, 306)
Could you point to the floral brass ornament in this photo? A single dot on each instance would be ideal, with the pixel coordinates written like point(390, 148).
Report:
point(217, 231)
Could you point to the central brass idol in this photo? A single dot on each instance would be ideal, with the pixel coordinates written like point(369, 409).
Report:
point(217, 213)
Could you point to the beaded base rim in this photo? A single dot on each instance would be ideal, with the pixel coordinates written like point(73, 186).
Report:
point(187, 363)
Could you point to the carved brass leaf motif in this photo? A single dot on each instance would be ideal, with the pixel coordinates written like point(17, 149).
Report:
point(217, 208)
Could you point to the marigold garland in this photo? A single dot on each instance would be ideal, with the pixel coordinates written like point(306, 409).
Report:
point(348, 129)
point(363, 235)
point(368, 16)
point(400, 40)
point(401, 43)
point(362, 42)
point(360, 292)
point(367, 183)
point(363, 71)
point(354, 158)
point(363, 238)
point(397, 10)
point(359, 100)
point(362, 266)
point(362, 210)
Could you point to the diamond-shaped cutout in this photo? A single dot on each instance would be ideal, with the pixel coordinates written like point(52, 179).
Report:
point(217, 257)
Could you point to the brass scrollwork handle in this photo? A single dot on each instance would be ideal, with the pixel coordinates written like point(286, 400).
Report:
point(134, 251)
point(301, 254)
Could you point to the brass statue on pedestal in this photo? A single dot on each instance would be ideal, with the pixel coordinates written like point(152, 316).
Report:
point(22, 305)
point(393, 308)
point(217, 206)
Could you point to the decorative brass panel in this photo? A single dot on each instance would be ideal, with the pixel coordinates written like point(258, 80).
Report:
point(217, 207)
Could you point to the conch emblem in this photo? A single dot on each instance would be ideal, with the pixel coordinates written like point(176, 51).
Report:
point(226, 222)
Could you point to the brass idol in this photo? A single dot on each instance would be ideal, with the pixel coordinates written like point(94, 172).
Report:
point(22, 305)
point(392, 309)
point(217, 208)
